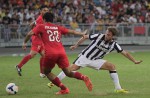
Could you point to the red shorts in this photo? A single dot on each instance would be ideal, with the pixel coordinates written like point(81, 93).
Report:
point(60, 59)
point(38, 48)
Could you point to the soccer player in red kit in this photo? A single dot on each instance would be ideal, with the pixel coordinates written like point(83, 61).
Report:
point(55, 52)
point(37, 44)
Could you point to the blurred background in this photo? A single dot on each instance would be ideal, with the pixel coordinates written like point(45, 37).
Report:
point(131, 17)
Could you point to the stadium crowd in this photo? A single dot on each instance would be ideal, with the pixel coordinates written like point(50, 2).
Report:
point(81, 11)
point(75, 12)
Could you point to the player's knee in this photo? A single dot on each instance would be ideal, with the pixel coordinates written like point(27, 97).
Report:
point(111, 67)
point(68, 73)
point(74, 67)
point(46, 72)
point(32, 56)
point(108, 66)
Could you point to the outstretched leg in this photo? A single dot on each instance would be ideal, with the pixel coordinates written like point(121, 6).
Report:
point(55, 80)
point(78, 76)
point(114, 76)
point(24, 61)
point(72, 68)
point(62, 75)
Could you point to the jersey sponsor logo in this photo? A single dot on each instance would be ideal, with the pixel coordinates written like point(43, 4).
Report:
point(103, 48)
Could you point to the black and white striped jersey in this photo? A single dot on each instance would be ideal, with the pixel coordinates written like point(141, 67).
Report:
point(98, 47)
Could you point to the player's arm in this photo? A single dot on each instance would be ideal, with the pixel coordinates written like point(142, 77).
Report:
point(80, 41)
point(32, 24)
point(130, 57)
point(27, 37)
point(76, 32)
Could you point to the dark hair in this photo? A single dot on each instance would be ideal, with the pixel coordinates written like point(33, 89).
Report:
point(113, 30)
point(43, 6)
point(48, 17)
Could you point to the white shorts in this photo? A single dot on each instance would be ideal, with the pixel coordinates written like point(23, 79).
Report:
point(84, 62)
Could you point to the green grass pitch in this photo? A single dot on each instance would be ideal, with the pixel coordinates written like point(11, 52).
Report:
point(135, 78)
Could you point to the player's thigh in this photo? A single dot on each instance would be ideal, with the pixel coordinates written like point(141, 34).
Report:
point(36, 47)
point(33, 53)
point(82, 61)
point(42, 51)
point(96, 64)
point(48, 64)
point(108, 66)
point(63, 61)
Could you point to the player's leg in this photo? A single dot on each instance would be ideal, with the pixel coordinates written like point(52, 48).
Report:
point(113, 74)
point(52, 77)
point(63, 63)
point(24, 61)
point(67, 71)
point(42, 75)
point(75, 66)
point(72, 68)
point(55, 80)
point(62, 75)
point(78, 76)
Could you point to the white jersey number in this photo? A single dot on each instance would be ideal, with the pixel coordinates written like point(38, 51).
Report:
point(53, 35)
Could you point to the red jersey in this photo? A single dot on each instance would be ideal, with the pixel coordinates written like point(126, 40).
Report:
point(36, 39)
point(51, 36)
point(39, 20)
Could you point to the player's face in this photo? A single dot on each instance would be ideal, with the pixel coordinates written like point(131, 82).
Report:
point(44, 10)
point(108, 36)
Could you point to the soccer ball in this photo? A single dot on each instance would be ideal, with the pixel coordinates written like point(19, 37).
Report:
point(12, 88)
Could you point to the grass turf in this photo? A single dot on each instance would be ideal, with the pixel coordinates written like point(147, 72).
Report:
point(133, 77)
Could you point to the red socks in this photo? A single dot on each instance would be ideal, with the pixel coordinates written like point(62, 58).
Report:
point(24, 60)
point(78, 75)
point(58, 83)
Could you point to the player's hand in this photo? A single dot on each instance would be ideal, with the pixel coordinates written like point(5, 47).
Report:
point(24, 46)
point(138, 62)
point(85, 33)
point(73, 47)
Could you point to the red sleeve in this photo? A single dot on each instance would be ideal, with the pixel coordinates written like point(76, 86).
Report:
point(63, 30)
point(39, 20)
point(37, 29)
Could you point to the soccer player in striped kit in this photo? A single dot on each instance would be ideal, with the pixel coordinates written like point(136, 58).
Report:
point(92, 56)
